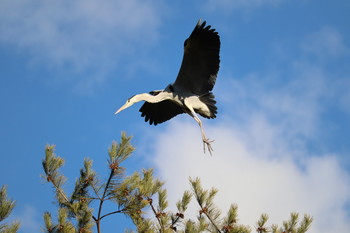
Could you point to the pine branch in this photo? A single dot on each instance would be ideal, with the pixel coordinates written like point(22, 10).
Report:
point(133, 193)
point(102, 200)
point(51, 164)
point(117, 154)
point(204, 210)
point(86, 179)
point(204, 199)
point(6, 207)
point(96, 192)
point(114, 212)
point(60, 191)
point(181, 207)
point(261, 228)
point(305, 224)
point(156, 214)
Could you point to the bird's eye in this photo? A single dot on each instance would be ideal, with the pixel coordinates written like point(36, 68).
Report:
point(130, 98)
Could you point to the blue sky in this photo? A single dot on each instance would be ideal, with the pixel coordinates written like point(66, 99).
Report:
point(283, 93)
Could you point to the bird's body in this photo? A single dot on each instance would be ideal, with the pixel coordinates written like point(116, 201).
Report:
point(191, 91)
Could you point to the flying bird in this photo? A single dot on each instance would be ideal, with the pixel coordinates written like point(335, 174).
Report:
point(191, 91)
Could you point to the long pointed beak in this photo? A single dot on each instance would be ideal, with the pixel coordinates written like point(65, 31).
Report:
point(123, 107)
point(119, 110)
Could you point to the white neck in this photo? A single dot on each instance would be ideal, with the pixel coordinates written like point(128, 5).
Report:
point(152, 98)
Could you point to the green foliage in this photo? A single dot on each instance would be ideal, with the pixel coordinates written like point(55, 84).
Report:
point(261, 224)
point(138, 194)
point(210, 216)
point(292, 226)
point(76, 207)
point(6, 207)
point(131, 194)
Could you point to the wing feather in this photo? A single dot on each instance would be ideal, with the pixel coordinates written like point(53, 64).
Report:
point(201, 60)
point(160, 112)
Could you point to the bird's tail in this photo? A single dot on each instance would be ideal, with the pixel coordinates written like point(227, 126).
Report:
point(209, 100)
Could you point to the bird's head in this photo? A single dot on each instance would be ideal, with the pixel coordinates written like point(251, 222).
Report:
point(128, 103)
point(132, 100)
point(149, 97)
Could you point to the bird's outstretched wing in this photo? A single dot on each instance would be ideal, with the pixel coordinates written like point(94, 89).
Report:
point(200, 63)
point(157, 113)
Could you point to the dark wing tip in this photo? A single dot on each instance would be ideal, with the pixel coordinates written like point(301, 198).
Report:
point(201, 26)
point(201, 23)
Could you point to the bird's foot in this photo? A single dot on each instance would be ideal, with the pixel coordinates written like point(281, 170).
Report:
point(207, 142)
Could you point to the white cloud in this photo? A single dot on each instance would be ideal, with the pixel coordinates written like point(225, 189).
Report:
point(291, 104)
point(276, 184)
point(86, 36)
point(326, 49)
point(325, 43)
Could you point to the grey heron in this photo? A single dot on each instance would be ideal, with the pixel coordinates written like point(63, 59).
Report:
point(191, 91)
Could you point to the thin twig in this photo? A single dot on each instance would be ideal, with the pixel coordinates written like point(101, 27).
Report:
point(155, 213)
point(60, 191)
point(114, 212)
point(211, 220)
point(102, 200)
point(174, 222)
point(96, 192)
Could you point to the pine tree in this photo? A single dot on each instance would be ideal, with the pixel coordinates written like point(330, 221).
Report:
point(137, 194)
point(6, 207)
